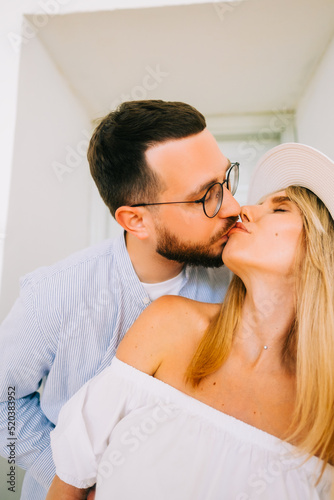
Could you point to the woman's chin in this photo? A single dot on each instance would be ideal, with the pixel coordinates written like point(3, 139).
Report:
point(227, 248)
point(233, 257)
point(227, 256)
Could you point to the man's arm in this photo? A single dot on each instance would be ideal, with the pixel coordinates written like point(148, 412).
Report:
point(60, 490)
point(25, 358)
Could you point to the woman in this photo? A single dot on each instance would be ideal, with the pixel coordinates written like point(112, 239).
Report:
point(234, 401)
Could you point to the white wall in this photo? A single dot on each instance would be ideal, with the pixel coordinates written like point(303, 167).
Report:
point(9, 22)
point(315, 112)
point(17, 37)
point(48, 213)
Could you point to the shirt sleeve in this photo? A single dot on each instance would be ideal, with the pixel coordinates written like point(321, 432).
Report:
point(25, 358)
point(85, 424)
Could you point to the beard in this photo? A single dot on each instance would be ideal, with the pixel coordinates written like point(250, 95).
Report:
point(170, 247)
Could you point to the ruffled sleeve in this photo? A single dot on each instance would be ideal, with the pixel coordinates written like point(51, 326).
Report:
point(85, 424)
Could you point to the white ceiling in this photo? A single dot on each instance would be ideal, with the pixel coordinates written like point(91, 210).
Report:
point(252, 56)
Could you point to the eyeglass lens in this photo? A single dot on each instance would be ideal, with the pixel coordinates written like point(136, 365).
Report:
point(233, 179)
point(214, 196)
point(213, 200)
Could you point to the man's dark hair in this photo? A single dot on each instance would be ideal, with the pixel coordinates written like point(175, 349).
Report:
point(116, 152)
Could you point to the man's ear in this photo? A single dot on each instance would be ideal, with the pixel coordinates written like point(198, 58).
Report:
point(134, 220)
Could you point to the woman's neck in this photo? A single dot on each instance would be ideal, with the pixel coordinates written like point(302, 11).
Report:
point(267, 314)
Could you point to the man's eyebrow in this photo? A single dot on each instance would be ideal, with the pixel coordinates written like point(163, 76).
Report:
point(199, 189)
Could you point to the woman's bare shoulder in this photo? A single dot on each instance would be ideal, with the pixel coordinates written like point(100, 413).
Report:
point(195, 314)
point(184, 306)
point(165, 324)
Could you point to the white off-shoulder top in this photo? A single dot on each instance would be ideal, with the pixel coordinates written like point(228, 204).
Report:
point(141, 439)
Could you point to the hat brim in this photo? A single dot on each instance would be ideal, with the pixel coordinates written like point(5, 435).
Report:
point(293, 164)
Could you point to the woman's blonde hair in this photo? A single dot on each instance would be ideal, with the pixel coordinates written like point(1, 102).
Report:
point(309, 345)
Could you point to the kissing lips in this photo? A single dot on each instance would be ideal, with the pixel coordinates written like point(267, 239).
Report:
point(238, 228)
point(229, 223)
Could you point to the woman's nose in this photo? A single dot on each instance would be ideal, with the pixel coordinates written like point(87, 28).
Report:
point(249, 212)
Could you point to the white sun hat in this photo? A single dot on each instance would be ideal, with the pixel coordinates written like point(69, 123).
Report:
point(294, 164)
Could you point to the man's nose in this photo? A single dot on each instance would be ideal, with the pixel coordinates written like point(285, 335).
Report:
point(230, 207)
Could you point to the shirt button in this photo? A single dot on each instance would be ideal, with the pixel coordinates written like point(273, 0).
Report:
point(146, 300)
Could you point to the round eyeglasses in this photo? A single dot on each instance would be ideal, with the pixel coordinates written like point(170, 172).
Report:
point(213, 198)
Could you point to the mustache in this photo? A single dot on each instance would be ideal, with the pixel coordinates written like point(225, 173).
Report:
point(229, 223)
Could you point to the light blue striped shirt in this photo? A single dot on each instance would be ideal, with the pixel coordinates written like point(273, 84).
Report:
point(66, 326)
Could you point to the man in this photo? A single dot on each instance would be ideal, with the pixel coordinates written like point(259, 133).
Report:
point(164, 179)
